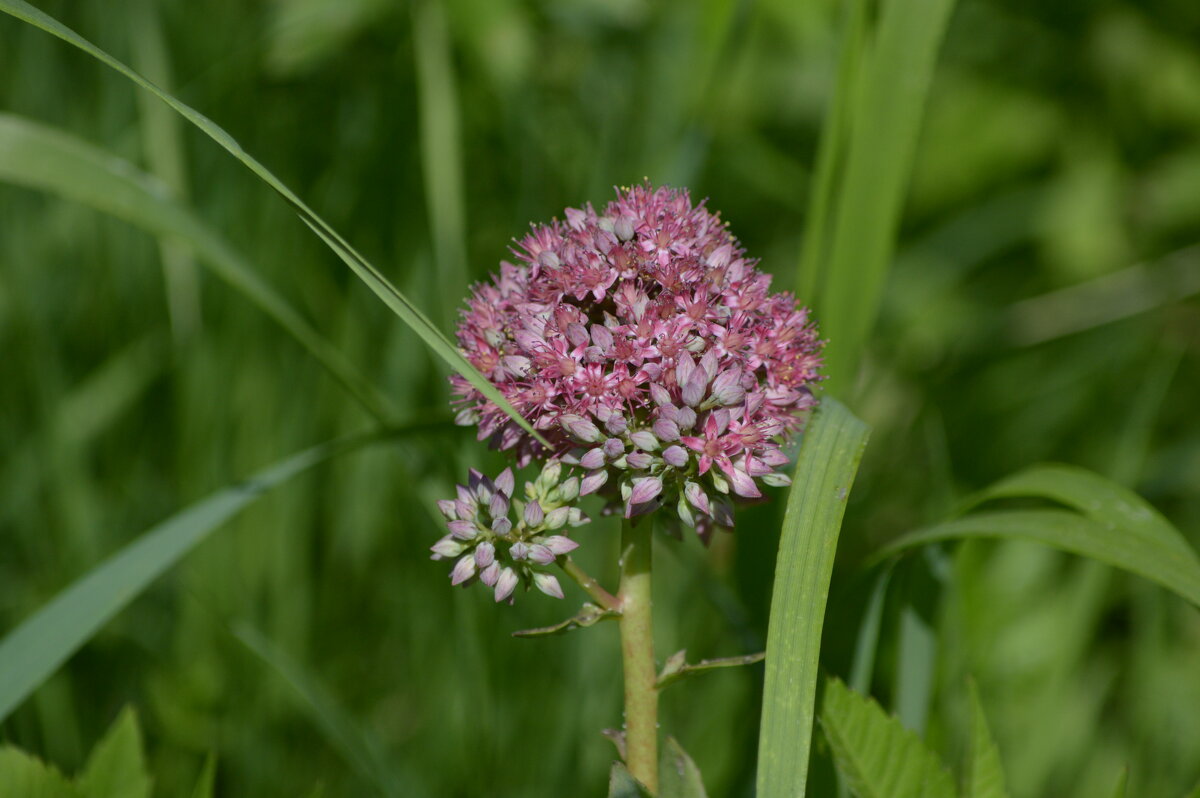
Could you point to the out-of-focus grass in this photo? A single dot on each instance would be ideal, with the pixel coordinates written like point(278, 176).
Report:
point(1061, 146)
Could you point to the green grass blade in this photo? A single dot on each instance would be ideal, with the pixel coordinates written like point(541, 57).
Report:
point(30, 653)
point(441, 152)
point(877, 756)
point(886, 119)
point(208, 778)
point(984, 776)
point(29, 777)
point(375, 280)
point(360, 750)
point(45, 158)
point(162, 143)
point(831, 153)
point(1102, 500)
point(829, 457)
point(862, 666)
point(1158, 560)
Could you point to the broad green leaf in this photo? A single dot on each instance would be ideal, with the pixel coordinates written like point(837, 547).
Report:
point(888, 91)
point(30, 653)
point(875, 754)
point(28, 777)
point(208, 778)
point(829, 456)
point(45, 158)
point(117, 766)
point(622, 784)
point(678, 776)
point(1159, 560)
point(984, 776)
point(375, 280)
point(1122, 783)
point(360, 750)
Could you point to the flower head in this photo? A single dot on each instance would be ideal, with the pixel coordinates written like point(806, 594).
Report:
point(488, 547)
point(646, 348)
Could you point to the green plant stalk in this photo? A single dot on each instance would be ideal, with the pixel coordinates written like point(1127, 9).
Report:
point(637, 655)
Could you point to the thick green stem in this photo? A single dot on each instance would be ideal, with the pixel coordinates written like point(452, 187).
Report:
point(637, 655)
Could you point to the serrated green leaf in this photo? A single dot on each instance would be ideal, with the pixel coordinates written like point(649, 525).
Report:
point(28, 777)
point(984, 776)
point(829, 456)
point(30, 653)
point(47, 159)
point(364, 270)
point(678, 776)
point(208, 778)
point(1160, 561)
point(875, 754)
point(622, 784)
point(117, 765)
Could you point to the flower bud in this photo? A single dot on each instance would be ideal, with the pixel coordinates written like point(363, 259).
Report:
point(490, 574)
point(446, 548)
point(639, 460)
point(568, 491)
point(505, 482)
point(592, 482)
point(447, 508)
point(506, 584)
point(548, 585)
point(485, 554)
point(463, 530)
point(498, 506)
point(593, 459)
point(676, 456)
point(645, 440)
point(615, 424)
point(727, 388)
point(659, 394)
point(558, 517)
point(576, 517)
point(581, 428)
point(519, 550)
point(502, 526)
point(645, 489)
point(534, 513)
point(464, 569)
point(560, 544)
point(686, 418)
point(697, 497)
point(540, 554)
point(623, 227)
point(666, 430)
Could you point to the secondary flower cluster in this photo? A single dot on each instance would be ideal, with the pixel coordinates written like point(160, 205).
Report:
point(646, 348)
point(488, 547)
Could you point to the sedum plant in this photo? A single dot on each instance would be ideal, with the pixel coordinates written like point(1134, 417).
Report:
point(663, 376)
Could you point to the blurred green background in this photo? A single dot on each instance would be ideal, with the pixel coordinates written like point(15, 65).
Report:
point(1042, 306)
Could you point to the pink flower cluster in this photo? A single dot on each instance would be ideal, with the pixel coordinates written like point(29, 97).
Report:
point(644, 345)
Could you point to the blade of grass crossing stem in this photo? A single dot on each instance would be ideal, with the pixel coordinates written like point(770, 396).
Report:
point(829, 457)
point(374, 279)
point(831, 152)
point(441, 150)
point(1122, 782)
point(45, 158)
point(360, 749)
point(33, 651)
point(1061, 529)
point(984, 777)
point(885, 122)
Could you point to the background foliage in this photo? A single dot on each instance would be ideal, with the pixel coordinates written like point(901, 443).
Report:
point(1041, 307)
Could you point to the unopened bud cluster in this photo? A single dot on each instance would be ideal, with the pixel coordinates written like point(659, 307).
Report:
point(490, 547)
